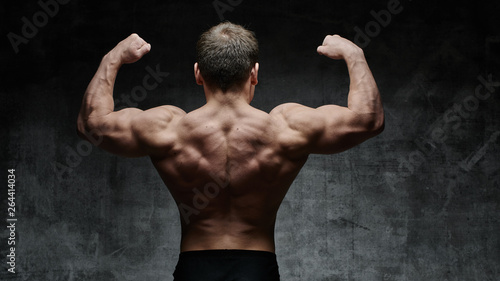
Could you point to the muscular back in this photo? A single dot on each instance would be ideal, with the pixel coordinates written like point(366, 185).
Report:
point(228, 171)
point(227, 164)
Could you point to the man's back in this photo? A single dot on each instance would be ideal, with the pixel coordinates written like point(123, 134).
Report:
point(227, 164)
point(228, 171)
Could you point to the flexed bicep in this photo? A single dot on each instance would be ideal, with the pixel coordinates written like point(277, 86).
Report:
point(331, 128)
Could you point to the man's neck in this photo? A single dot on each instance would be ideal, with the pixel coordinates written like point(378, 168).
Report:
point(229, 98)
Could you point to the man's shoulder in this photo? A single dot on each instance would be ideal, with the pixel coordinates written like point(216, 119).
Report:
point(152, 124)
point(295, 115)
point(284, 107)
point(160, 114)
point(170, 109)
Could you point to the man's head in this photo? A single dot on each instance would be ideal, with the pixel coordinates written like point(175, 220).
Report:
point(226, 54)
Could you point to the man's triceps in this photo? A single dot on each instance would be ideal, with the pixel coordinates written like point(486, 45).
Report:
point(345, 128)
point(303, 126)
point(115, 132)
point(328, 129)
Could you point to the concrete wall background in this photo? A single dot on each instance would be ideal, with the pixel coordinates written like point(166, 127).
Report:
point(419, 202)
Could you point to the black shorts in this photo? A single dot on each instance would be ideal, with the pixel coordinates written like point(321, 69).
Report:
point(227, 265)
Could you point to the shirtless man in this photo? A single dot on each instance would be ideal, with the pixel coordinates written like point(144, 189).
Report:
point(227, 164)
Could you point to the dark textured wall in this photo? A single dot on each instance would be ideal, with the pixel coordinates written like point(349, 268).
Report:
point(419, 202)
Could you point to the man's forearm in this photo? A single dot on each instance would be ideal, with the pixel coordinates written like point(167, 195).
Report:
point(98, 98)
point(364, 96)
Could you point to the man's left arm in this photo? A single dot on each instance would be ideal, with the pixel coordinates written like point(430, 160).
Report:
point(128, 132)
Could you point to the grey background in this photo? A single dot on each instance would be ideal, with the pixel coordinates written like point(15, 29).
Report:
point(406, 205)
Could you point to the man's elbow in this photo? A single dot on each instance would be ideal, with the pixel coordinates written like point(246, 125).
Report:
point(88, 131)
point(376, 125)
point(379, 124)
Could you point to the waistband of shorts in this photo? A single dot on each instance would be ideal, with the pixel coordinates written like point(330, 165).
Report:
point(227, 254)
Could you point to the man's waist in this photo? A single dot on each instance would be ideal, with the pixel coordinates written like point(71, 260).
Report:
point(202, 241)
point(227, 253)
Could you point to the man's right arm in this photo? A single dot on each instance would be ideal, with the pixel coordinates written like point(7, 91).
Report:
point(331, 128)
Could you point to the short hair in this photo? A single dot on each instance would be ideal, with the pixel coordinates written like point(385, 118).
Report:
point(226, 54)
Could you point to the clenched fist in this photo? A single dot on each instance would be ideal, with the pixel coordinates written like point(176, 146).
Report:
point(131, 49)
point(336, 47)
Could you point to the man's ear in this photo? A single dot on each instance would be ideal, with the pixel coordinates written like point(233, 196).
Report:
point(254, 74)
point(197, 75)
